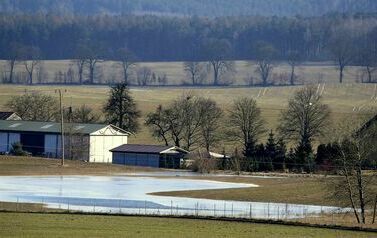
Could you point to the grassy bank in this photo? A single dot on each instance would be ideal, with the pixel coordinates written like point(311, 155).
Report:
point(297, 190)
point(66, 225)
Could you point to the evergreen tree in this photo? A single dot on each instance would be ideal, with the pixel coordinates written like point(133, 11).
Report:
point(121, 109)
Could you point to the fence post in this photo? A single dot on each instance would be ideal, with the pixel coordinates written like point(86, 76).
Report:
point(68, 205)
point(120, 210)
point(145, 207)
point(268, 210)
point(224, 209)
point(17, 205)
point(43, 204)
point(214, 210)
point(171, 207)
point(250, 212)
point(278, 213)
point(232, 209)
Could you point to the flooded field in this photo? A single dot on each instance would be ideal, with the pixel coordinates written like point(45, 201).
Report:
point(131, 195)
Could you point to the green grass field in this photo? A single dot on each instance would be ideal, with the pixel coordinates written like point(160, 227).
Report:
point(59, 225)
point(342, 99)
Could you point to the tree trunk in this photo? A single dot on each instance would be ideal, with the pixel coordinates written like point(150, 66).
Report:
point(91, 74)
point(369, 71)
point(341, 74)
point(374, 210)
point(11, 71)
point(360, 187)
point(215, 75)
point(292, 75)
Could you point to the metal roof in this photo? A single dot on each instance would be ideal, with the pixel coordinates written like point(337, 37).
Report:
point(147, 149)
point(5, 115)
point(49, 127)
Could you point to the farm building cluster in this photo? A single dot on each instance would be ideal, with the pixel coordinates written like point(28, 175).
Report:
point(97, 143)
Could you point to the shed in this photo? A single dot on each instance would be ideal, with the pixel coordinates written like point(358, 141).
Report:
point(149, 155)
point(90, 142)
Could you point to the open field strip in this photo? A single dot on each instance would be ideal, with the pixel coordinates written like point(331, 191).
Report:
point(308, 72)
point(67, 225)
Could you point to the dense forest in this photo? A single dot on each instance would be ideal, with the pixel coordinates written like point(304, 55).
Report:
point(153, 38)
point(208, 8)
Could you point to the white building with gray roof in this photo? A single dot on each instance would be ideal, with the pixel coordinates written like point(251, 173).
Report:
point(90, 142)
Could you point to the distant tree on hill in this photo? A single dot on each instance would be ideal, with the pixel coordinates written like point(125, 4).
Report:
point(264, 54)
point(31, 58)
point(196, 71)
point(127, 61)
point(341, 48)
point(218, 52)
point(294, 59)
point(12, 57)
point(121, 109)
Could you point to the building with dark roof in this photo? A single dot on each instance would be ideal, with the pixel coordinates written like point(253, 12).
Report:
point(149, 155)
point(9, 116)
point(90, 142)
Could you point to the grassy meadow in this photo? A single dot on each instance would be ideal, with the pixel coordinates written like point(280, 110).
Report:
point(55, 225)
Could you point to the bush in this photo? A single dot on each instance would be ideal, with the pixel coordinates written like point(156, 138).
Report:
point(17, 149)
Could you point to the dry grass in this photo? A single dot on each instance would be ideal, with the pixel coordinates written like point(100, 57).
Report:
point(295, 190)
point(68, 225)
point(12, 166)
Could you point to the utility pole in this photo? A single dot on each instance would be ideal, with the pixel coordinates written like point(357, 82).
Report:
point(61, 124)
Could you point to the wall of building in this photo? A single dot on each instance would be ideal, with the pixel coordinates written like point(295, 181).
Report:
point(100, 146)
point(7, 139)
point(134, 159)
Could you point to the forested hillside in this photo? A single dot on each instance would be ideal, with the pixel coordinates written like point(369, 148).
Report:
point(152, 38)
point(191, 7)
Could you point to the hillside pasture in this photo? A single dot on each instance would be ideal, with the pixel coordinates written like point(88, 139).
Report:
point(343, 99)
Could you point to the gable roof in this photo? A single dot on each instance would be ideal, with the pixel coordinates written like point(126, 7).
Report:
point(7, 115)
point(146, 149)
point(51, 127)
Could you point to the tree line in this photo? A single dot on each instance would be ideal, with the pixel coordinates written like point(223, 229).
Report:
point(153, 38)
point(29, 39)
point(190, 7)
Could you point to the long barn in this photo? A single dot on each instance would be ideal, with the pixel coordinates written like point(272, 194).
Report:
point(90, 142)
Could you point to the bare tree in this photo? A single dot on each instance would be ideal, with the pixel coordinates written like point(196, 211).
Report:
point(341, 47)
point(246, 123)
point(35, 107)
point(127, 61)
point(294, 60)
point(189, 121)
point(264, 54)
point(218, 51)
point(210, 118)
point(144, 76)
point(12, 56)
point(30, 59)
point(196, 71)
point(82, 114)
point(357, 153)
point(80, 65)
point(158, 124)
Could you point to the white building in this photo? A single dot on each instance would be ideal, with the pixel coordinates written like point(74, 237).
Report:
point(90, 142)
